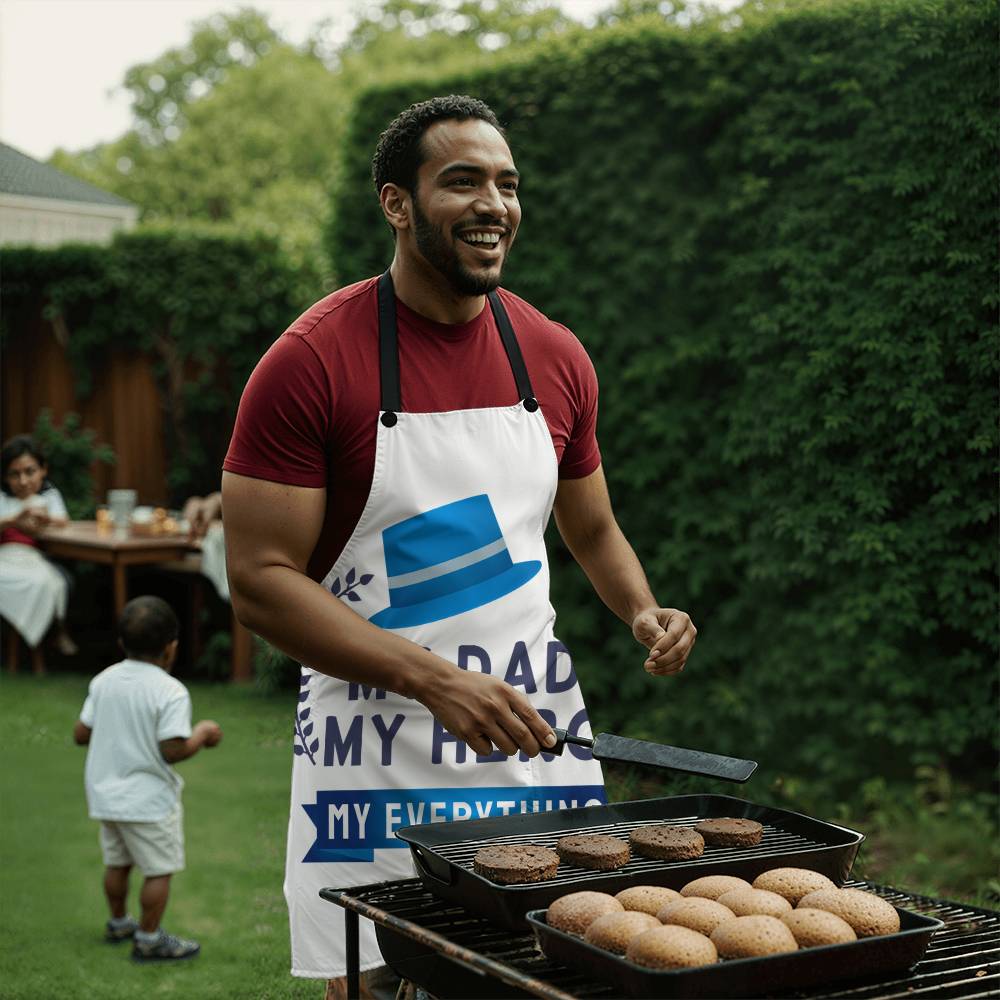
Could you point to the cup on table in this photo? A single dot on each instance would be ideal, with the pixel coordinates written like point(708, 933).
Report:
point(121, 504)
point(103, 518)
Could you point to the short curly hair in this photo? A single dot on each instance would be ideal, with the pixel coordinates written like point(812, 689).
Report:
point(146, 627)
point(399, 152)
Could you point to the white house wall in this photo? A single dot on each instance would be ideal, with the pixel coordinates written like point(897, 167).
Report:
point(47, 222)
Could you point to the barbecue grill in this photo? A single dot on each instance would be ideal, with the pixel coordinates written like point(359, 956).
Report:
point(455, 954)
point(443, 852)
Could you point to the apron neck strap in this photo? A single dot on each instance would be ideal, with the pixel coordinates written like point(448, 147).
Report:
point(388, 351)
point(513, 349)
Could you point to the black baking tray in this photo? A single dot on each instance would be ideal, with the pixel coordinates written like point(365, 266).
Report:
point(744, 977)
point(443, 852)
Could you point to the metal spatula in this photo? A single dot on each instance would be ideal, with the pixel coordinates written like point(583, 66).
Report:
point(606, 746)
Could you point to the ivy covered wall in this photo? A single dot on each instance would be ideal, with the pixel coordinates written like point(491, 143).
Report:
point(200, 307)
point(777, 242)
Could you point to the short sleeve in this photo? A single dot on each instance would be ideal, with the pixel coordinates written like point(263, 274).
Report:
point(174, 721)
point(55, 503)
point(283, 419)
point(582, 454)
point(87, 712)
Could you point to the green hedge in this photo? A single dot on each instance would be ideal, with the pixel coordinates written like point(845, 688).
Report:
point(776, 238)
point(202, 306)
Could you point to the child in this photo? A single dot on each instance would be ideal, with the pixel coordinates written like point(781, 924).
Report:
point(33, 592)
point(137, 722)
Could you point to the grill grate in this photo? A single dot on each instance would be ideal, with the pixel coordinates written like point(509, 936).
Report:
point(776, 842)
point(443, 852)
point(963, 960)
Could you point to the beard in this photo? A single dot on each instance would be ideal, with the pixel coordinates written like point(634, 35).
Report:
point(444, 259)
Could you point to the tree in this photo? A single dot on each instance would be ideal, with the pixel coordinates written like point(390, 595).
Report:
point(249, 143)
point(240, 127)
point(462, 25)
point(164, 89)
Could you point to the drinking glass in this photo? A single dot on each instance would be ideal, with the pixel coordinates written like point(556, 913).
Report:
point(121, 504)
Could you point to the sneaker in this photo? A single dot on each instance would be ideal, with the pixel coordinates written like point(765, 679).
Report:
point(166, 948)
point(123, 932)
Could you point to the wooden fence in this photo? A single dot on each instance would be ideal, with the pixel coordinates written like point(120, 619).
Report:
point(124, 408)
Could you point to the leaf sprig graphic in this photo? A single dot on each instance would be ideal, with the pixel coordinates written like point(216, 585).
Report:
point(351, 583)
point(303, 727)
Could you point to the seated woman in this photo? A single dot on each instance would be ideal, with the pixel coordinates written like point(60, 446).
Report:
point(203, 515)
point(33, 592)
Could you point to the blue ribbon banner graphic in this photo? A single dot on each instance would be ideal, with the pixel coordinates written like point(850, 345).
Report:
point(351, 826)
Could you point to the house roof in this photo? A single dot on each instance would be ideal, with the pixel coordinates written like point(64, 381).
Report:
point(20, 174)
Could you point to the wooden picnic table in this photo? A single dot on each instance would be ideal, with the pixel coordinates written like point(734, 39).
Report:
point(84, 541)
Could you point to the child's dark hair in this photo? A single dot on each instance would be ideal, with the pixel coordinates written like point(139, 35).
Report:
point(22, 444)
point(147, 626)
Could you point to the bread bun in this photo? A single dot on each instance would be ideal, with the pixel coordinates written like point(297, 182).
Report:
point(813, 928)
point(753, 937)
point(869, 915)
point(701, 915)
point(647, 898)
point(792, 883)
point(671, 947)
point(575, 912)
point(614, 931)
point(713, 886)
point(748, 902)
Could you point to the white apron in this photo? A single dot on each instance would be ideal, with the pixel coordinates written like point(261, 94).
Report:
point(449, 553)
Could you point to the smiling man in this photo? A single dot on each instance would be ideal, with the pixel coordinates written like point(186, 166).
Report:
point(396, 458)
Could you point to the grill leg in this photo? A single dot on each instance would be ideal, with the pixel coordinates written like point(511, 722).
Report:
point(353, 958)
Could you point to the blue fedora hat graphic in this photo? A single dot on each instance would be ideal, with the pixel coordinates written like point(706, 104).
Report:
point(446, 561)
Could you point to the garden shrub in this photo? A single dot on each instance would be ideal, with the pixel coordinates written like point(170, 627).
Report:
point(71, 452)
point(203, 305)
point(775, 235)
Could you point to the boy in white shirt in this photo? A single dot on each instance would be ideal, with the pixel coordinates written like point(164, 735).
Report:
point(137, 722)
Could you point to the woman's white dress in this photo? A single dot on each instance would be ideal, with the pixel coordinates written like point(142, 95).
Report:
point(32, 590)
point(213, 559)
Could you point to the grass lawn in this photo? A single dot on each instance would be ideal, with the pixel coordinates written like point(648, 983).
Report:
point(52, 908)
point(236, 811)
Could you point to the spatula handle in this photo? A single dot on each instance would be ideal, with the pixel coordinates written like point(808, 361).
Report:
point(562, 738)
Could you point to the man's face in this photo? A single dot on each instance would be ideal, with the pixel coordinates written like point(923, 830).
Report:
point(465, 208)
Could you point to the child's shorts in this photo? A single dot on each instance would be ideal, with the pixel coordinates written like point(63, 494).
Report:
point(155, 848)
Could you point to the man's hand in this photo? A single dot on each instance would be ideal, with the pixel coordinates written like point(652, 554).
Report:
point(210, 732)
point(486, 712)
point(669, 636)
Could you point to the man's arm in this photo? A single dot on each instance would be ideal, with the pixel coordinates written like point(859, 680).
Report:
point(271, 530)
point(81, 734)
point(205, 734)
point(588, 526)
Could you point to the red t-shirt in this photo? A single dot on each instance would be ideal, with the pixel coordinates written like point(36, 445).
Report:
point(309, 412)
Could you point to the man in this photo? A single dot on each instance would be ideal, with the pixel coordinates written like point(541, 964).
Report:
point(394, 464)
